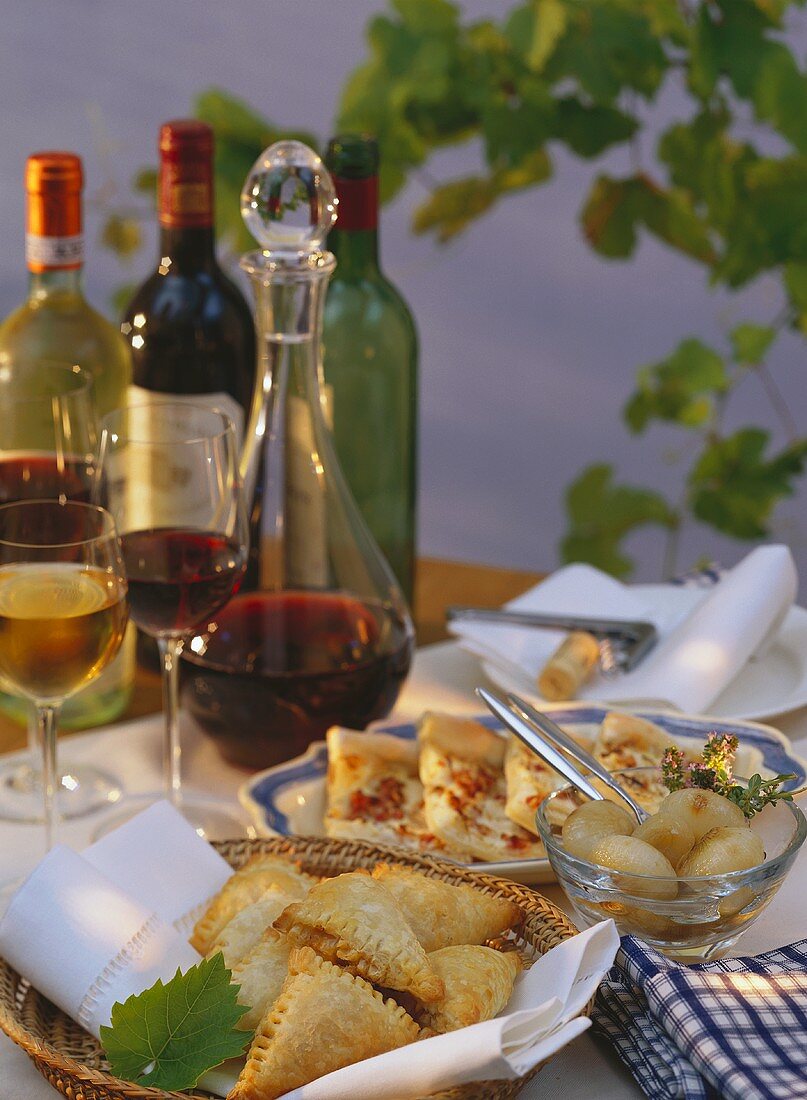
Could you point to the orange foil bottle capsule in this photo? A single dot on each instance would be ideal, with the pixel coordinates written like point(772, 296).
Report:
point(53, 237)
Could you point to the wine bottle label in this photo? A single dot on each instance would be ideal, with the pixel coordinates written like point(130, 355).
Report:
point(53, 253)
point(186, 174)
point(184, 203)
point(164, 491)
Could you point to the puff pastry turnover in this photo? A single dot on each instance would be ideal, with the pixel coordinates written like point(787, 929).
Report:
point(241, 934)
point(249, 882)
point(353, 919)
point(442, 915)
point(478, 983)
point(325, 1018)
point(261, 973)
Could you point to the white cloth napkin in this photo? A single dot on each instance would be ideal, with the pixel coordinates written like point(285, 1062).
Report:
point(83, 942)
point(158, 859)
point(540, 1018)
point(705, 639)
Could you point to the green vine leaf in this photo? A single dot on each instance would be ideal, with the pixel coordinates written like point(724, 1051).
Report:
point(601, 514)
point(121, 235)
point(145, 183)
point(535, 29)
point(679, 389)
point(734, 487)
point(588, 129)
point(750, 343)
point(608, 47)
point(615, 208)
point(175, 1031)
point(453, 206)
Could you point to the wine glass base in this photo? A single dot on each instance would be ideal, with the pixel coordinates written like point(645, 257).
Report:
point(213, 819)
point(82, 790)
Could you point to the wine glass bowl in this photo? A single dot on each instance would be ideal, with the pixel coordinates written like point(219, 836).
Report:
point(63, 609)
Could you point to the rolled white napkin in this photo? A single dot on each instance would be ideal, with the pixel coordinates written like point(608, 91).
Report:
point(540, 1018)
point(705, 638)
point(158, 859)
point(83, 942)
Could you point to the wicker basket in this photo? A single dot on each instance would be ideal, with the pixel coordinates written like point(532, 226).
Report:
point(73, 1062)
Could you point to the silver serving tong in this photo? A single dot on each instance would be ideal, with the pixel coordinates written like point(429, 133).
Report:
point(623, 642)
point(546, 739)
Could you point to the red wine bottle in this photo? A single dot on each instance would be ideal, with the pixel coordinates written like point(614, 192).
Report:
point(189, 327)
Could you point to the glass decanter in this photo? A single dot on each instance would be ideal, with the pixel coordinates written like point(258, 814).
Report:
point(327, 638)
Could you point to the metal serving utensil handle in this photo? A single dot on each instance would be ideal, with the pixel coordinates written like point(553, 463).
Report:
point(551, 730)
point(547, 751)
point(636, 636)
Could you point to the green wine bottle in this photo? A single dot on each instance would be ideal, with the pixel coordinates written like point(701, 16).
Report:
point(370, 363)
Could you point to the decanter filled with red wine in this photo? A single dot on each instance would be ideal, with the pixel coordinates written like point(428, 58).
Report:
point(326, 639)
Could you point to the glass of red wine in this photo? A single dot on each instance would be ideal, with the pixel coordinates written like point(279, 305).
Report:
point(168, 473)
point(48, 439)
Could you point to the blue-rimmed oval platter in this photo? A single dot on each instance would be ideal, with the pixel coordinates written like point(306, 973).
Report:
point(289, 799)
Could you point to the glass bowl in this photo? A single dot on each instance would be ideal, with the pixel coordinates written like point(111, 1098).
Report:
point(709, 914)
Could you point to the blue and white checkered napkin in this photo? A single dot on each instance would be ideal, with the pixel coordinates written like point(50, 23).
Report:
point(738, 1025)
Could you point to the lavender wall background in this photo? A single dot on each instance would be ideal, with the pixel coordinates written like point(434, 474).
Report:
point(529, 342)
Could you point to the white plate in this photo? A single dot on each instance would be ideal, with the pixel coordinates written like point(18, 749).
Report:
point(289, 799)
point(775, 682)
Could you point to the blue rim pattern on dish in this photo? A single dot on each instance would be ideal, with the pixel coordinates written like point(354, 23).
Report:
point(264, 789)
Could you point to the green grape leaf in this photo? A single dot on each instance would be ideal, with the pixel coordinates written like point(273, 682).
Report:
point(707, 163)
point(601, 514)
point(428, 16)
point(121, 235)
point(734, 487)
point(606, 48)
point(590, 129)
point(172, 1033)
point(120, 298)
point(534, 30)
point(512, 131)
point(615, 208)
point(145, 183)
point(750, 343)
point(679, 389)
point(536, 167)
point(453, 206)
point(795, 280)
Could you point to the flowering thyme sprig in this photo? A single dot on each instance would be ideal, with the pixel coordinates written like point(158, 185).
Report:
point(713, 772)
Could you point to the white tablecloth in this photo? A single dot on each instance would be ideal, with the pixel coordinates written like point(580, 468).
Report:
point(443, 677)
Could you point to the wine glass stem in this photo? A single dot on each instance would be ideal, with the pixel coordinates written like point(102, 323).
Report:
point(170, 650)
point(33, 739)
point(47, 719)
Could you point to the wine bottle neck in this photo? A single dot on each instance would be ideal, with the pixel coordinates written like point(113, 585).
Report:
point(65, 281)
point(184, 251)
point(356, 251)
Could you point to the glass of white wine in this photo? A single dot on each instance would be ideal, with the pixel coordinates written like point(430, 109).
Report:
point(63, 611)
point(48, 443)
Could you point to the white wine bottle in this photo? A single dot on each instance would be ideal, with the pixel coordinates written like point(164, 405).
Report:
point(56, 324)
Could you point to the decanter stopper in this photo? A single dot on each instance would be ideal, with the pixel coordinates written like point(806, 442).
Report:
point(288, 202)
